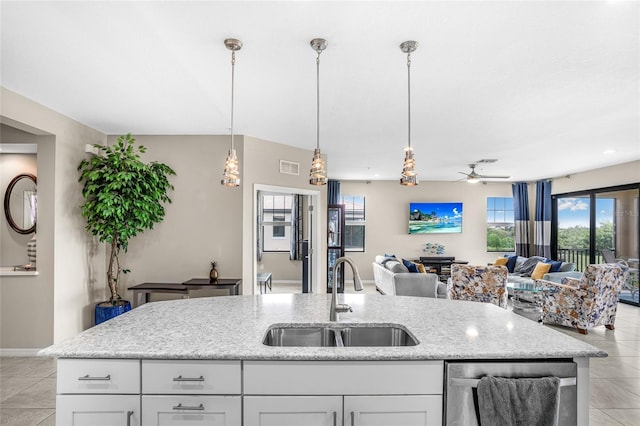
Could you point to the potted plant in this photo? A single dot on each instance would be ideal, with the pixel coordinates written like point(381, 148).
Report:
point(123, 196)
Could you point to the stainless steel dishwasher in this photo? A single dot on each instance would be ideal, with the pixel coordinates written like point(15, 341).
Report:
point(461, 398)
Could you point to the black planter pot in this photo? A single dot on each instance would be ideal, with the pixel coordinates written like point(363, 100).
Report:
point(105, 310)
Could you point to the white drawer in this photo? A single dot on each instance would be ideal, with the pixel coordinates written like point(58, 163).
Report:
point(343, 377)
point(191, 377)
point(98, 376)
point(184, 410)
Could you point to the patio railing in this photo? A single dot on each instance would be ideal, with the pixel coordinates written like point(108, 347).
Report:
point(578, 256)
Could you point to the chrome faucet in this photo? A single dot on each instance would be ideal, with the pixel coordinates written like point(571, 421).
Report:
point(357, 284)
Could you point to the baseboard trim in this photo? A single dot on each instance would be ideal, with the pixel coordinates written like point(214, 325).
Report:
point(13, 352)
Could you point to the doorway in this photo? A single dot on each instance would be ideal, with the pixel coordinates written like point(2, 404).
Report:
point(285, 233)
point(604, 220)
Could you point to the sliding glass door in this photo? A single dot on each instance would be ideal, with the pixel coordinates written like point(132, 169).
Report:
point(600, 226)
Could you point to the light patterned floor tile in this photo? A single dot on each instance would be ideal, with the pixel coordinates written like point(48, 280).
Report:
point(627, 417)
point(604, 393)
point(25, 416)
point(599, 418)
point(39, 395)
point(10, 386)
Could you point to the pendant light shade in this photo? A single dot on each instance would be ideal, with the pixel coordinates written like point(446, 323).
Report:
point(318, 173)
point(409, 176)
point(231, 175)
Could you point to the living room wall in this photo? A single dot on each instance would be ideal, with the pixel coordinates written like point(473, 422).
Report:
point(387, 204)
point(61, 304)
point(205, 220)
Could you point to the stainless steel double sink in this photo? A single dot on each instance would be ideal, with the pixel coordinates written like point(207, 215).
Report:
point(339, 335)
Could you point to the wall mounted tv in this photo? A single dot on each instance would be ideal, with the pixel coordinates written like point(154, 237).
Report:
point(435, 218)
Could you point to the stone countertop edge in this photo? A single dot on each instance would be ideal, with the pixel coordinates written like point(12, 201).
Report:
point(233, 327)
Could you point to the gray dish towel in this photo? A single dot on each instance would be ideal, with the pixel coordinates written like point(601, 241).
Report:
point(518, 402)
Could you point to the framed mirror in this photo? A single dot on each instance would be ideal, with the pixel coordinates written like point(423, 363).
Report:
point(21, 203)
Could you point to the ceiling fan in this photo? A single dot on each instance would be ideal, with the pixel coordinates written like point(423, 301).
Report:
point(474, 177)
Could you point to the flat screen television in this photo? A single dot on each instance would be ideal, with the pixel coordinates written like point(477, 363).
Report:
point(435, 218)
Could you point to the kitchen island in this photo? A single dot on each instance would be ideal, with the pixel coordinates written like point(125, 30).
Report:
point(226, 334)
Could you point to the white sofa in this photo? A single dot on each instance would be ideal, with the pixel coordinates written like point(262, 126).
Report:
point(395, 281)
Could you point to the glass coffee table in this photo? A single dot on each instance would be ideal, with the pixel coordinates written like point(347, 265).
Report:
point(528, 297)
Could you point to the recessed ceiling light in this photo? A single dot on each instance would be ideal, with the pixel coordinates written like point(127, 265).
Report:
point(609, 151)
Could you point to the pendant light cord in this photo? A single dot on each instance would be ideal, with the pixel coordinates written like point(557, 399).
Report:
point(318, 101)
point(409, 96)
point(233, 64)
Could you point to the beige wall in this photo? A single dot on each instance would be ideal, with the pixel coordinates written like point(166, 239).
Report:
point(13, 246)
point(70, 262)
point(205, 220)
point(387, 205)
point(598, 178)
point(262, 167)
point(203, 223)
point(26, 302)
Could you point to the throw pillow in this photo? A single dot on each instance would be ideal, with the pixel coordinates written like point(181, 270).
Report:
point(540, 269)
point(396, 267)
point(421, 268)
point(410, 266)
point(555, 266)
point(528, 266)
point(501, 261)
point(511, 263)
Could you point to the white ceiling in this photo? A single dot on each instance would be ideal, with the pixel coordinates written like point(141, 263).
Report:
point(545, 87)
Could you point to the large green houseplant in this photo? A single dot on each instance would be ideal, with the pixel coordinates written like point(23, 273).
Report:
point(123, 196)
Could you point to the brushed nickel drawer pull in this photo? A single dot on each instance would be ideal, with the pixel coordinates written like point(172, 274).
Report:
point(87, 377)
point(188, 379)
point(188, 407)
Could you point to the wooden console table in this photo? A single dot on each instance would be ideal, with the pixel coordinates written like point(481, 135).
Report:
point(231, 284)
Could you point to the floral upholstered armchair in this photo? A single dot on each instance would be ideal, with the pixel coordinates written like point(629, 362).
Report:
point(479, 284)
point(584, 303)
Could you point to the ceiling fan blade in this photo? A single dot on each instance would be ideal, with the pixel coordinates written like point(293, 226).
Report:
point(493, 177)
point(463, 173)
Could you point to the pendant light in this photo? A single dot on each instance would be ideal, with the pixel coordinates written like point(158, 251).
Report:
point(318, 174)
point(409, 176)
point(231, 175)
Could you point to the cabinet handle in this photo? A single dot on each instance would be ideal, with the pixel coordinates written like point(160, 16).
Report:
point(87, 377)
point(188, 379)
point(335, 418)
point(188, 407)
point(129, 414)
point(353, 419)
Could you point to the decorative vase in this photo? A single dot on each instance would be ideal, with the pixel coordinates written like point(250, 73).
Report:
point(105, 310)
point(213, 275)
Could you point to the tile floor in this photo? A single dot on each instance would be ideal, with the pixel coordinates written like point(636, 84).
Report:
point(27, 385)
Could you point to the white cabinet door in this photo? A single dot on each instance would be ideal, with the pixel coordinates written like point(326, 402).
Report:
point(397, 410)
point(184, 410)
point(292, 410)
point(98, 410)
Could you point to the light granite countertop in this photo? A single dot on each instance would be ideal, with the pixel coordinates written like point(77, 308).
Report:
point(233, 327)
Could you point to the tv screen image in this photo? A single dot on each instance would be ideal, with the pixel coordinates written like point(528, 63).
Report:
point(435, 218)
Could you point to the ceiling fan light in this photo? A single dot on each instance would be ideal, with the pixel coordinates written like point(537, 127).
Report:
point(472, 179)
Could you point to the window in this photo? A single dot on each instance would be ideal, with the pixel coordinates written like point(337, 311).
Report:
point(276, 222)
point(354, 211)
point(500, 224)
